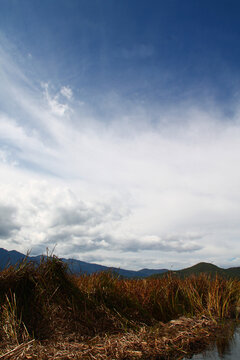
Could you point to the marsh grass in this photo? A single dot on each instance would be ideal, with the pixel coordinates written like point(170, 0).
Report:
point(163, 299)
point(13, 327)
point(47, 302)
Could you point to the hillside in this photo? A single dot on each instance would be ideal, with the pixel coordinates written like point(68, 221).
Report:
point(201, 267)
point(206, 268)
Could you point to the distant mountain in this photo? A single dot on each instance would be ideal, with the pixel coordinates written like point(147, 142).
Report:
point(206, 268)
point(9, 257)
point(202, 267)
point(76, 266)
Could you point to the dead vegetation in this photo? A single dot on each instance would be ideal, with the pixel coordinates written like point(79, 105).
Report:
point(46, 313)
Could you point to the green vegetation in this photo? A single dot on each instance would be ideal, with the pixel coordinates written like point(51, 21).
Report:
point(204, 268)
point(46, 303)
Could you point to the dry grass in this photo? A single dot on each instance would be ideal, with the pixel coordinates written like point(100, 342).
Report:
point(163, 299)
point(167, 341)
point(46, 313)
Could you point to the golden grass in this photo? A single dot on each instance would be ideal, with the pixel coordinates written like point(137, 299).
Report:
point(101, 316)
point(163, 299)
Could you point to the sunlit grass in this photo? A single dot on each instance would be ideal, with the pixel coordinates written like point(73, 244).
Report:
point(164, 298)
point(46, 300)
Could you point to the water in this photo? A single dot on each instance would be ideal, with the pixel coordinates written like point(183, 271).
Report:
point(226, 348)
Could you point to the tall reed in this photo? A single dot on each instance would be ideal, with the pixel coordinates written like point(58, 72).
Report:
point(43, 300)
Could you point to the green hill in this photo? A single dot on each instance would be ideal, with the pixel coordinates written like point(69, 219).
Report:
point(206, 268)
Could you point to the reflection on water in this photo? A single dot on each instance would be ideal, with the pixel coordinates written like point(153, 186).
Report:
point(227, 347)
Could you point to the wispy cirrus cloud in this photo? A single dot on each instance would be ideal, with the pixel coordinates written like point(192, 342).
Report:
point(153, 185)
point(57, 107)
point(66, 91)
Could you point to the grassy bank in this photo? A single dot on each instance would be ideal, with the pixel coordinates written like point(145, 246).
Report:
point(45, 305)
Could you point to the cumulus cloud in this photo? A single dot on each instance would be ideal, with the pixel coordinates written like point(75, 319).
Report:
point(8, 223)
point(177, 244)
point(51, 215)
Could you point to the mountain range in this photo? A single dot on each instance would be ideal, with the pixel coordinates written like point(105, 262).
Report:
point(76, 266)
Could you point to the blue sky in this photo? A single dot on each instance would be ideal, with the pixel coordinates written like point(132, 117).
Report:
point(149, 50)
point(119, 130)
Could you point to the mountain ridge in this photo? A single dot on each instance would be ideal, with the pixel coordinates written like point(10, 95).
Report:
point(13, 257)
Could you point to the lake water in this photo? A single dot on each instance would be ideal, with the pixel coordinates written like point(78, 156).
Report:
point(224, 349)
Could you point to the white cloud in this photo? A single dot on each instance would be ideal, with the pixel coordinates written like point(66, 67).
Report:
point(47, 213)
point(8, 224)
point(56, 107)
point(158, 194)
point(67, 92)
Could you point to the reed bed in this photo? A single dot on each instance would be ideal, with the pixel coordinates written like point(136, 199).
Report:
point(44, 307)
point(165, 298)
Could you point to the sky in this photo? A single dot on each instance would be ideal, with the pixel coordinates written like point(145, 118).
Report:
point(120, 131)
